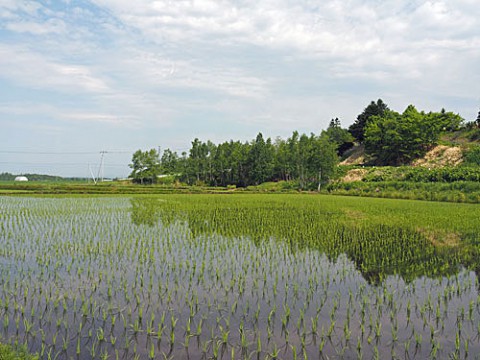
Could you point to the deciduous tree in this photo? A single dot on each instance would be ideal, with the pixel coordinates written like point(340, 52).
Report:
point(340, 137)
point(395, 138)
point(145, 166)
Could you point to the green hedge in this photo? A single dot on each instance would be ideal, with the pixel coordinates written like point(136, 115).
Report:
point(472, 156)
point(468, 172)
point(462, 191)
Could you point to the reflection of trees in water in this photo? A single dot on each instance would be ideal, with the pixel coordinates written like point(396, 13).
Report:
point(376, 250)
point(148, 211)
point(144, 211)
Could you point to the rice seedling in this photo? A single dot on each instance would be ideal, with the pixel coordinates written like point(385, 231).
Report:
point(297, 276)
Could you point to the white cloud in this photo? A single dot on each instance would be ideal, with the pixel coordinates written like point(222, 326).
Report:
point(52, 26)
point(147, 69)
point(327, 30)
point(31, 8)
point(160, 66)
point(89, 117)
point(362, 39)
point(45, 113)
point(38, 71)
point(25, 108)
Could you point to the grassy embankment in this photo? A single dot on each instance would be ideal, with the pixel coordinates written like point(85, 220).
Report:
point(375, 182)
point(115, 187)
point(452, 184)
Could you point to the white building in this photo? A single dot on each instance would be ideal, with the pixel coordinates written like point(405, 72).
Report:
point(21, 178)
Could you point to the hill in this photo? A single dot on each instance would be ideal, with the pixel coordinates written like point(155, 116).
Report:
point(453, 149)
point(438, 156)
point(449, 171)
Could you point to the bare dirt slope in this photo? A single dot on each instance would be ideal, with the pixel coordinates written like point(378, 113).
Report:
point(441, 155)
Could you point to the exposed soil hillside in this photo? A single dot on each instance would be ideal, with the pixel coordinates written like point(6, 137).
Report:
point(355, 175)
point(441, 155)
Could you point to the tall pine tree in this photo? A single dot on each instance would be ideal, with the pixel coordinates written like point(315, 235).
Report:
point(357, 129)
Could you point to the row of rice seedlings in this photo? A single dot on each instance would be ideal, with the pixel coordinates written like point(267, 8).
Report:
point(84, 281)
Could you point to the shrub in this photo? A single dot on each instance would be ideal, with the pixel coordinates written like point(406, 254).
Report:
point(472, 156)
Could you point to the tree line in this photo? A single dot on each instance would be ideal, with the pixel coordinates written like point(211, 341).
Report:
point(304, 158)
point(389, 137)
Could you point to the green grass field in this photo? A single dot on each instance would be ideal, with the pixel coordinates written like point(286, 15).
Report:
point(113, 188)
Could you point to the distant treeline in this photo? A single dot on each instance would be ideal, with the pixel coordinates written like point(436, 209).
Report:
point(38, 177)
point(305, 158)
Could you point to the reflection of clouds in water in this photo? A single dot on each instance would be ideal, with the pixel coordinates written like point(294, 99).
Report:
point(89, 259)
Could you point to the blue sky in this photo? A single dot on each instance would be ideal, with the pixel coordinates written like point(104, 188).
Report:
point(78, 77)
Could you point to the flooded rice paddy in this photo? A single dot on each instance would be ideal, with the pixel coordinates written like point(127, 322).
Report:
point(197, 277)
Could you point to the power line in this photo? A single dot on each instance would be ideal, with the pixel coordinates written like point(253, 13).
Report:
point(30, 152)
point(61, 152)
point(47, 152)
point(58, 164)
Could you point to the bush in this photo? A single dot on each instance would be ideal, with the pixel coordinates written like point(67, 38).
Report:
point(445, 174)
point(475, 135)
point(166, 180)
point(472, 156)
point(461, 191)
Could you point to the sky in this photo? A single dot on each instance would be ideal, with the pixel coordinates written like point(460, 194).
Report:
point(78, 77)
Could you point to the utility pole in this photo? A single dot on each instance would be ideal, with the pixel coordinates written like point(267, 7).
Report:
point(93, 176)
point(101, 166)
